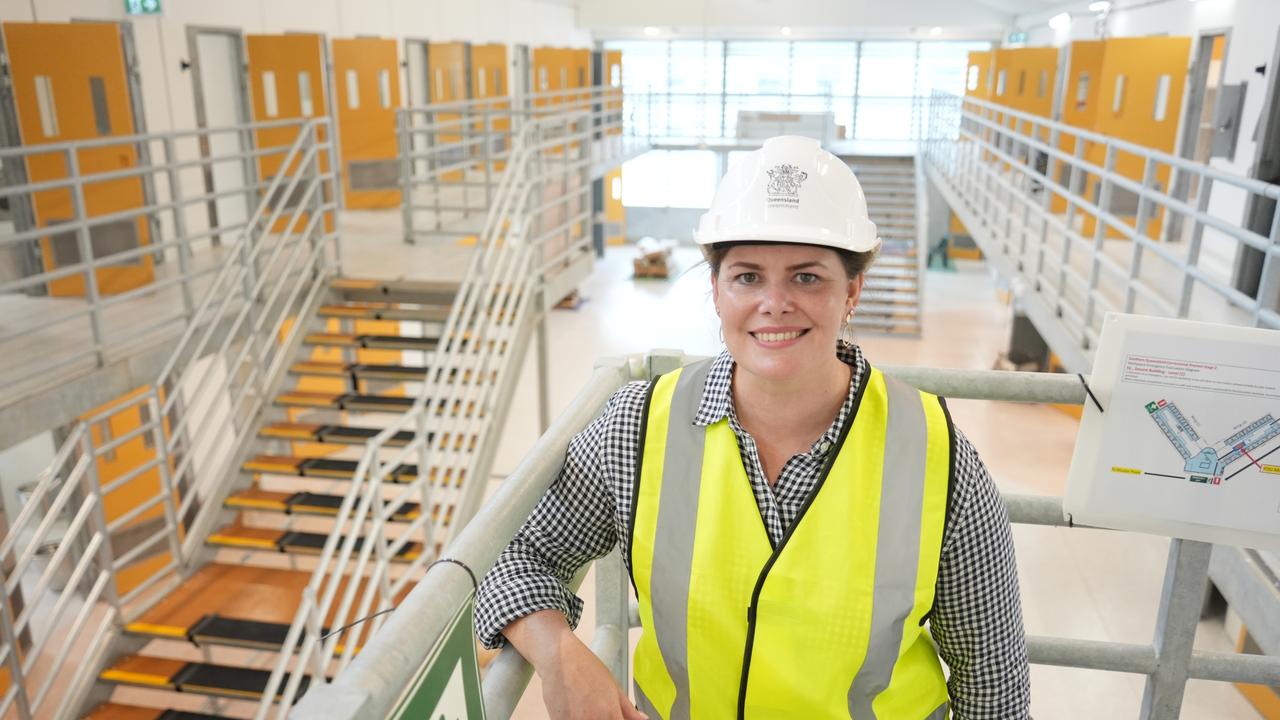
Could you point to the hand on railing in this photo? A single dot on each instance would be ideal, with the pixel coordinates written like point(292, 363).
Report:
point(575, 683)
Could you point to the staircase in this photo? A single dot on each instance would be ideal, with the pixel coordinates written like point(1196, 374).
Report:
point(348, 376)
point(890, 300)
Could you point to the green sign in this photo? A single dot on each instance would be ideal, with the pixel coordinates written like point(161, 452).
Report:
point(1017, 38)
point(447, 686)
point(142, 7)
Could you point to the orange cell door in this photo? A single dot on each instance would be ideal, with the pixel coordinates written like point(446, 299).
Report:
point(1079, 106)
point(489, 80)
point(366, 73)
point(70, 83)
point(126, 414)
point(448, 81)
point(1141, 88)
point(613, 79)
point(286, 81)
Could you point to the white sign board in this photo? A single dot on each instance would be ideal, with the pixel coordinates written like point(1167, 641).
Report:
point(1188, 441)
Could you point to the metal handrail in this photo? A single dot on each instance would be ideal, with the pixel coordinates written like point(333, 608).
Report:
point(378, 677)
point(229, 355)
point(1019, 182)
point(178, 225)
point(522, 243)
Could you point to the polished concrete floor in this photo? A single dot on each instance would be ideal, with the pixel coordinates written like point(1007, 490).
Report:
point(1085, 584)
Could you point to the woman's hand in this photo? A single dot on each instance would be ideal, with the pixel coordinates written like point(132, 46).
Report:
point(575, 684)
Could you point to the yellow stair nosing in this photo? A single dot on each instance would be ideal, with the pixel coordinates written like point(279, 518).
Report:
point(137, 678)
point(255, 503)
point(238, 541)
point(142, 628)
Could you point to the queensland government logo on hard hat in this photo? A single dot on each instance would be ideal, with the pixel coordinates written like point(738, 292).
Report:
point(784, 185)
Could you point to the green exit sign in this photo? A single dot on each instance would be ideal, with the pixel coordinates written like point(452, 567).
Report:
point(1017, 38)
point(142, 7)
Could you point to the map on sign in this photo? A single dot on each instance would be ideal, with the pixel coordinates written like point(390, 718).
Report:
point(1188, 444)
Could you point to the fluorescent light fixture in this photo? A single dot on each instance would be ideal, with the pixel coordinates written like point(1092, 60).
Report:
point(935, 31)
point(1099, 7)
point(652, 31)
point(785, 30)
point(1061, 21)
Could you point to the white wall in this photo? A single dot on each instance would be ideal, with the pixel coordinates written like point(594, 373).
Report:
point(162, 42)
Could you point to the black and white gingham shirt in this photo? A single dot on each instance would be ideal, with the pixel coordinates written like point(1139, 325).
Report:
point(977, 618)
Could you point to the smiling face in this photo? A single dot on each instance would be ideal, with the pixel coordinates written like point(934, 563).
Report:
point(782, 307)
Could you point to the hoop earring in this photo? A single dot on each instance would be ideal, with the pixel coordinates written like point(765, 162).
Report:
point(720, 332)
point(846, 330)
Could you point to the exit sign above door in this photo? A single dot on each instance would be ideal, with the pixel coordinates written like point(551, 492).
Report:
point(142, 7)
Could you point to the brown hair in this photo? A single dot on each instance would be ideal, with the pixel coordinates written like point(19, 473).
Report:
point(855, 263)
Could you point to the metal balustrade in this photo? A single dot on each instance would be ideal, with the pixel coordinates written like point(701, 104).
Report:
point(1058, 212)
point(185, 235)
point(378, 677)
point(211, 391)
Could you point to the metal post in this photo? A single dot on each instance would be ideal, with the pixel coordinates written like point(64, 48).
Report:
point(1270, 269)
point(179, 227)
point(166, 479)
point(1181, 600)
point(544, 370)
point(106, 558)
point(1193, 245)
point(486, 142)
point(84, 242)
point(403, 121)
point(1140, 227)
point(613, 613)
point(17, 680)
point(1099, 234)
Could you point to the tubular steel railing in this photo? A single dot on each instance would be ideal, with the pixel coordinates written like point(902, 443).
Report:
point(1081, 224)
point(535, 237)
point(203, 406)
point(452, 155)
point(378, 677)
point(78, 226)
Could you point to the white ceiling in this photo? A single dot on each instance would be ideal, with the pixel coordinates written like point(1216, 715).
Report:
point(806, 18)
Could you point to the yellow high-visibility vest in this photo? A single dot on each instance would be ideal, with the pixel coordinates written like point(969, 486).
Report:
point(829, 624)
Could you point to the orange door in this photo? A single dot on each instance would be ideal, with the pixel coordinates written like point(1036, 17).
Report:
point(130, 413)
point(70, 83)
point(1080, 105)
point(366, 72)
point(447, 75)
point(287, 81)
point(1140, 101)
point(489, 80)
point(613, 78)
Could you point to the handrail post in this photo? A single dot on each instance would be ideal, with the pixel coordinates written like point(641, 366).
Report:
point(106, 558)
point(179, 227)
point(1181, 600)
point(85, 244)
point(403, 120)
point(172, 520)
point(17, 679)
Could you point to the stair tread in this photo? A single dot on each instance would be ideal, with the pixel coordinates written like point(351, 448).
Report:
point(293, 541)
point(343, 401)
point(196, 677)
point(370, 370)
point(116, 711)
point(328, 468)
point(302, 503)
point(339, 434)
point(239, 591)
point(386, 311)
point(371, 341)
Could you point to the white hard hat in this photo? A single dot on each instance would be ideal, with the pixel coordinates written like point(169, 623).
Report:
point(791, 191)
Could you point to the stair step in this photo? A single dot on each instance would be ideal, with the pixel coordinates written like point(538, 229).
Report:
point(327, 468)
point(422, 292)
point(371, 342)
point(386, 311)
point(891, 273)
point(344, 401)
point(360, 371)
point(191, 677)
point(345, 435)
point(890, 284)
point(296, 542)
point(301, 503)
point(114, 711)
point(889, 297)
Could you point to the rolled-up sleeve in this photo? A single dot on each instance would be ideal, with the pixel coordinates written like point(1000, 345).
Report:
point(573, 524)
point(977, 617)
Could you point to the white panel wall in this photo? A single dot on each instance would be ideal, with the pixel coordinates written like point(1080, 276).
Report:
point(162, 42)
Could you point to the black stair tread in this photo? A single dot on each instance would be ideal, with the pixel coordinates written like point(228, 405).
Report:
point(426, 292)
point(386, 311)
point(397, 372)
point(372, 342)
point(172, 714)
point(228, 680)
point(298, 541)
point(342, 401)
point(301, 503)
point(319, 466)
point(232, 631)
point(310, 502)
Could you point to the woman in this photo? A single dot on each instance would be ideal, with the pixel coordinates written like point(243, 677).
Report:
point(791, 518)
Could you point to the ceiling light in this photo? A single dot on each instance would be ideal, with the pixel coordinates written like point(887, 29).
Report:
point(1061, 21)
point(652, 31)
point(785, 30)
point(1099, 7)
point(935, 31)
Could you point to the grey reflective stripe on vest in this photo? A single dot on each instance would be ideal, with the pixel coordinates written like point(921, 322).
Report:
point(646, 707)
point(897, 544)
point(939, 714)
point(677, 520)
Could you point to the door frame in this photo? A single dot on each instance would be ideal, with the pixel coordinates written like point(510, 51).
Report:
point(1246, 276)
point(1192, 109)
point(202, 117)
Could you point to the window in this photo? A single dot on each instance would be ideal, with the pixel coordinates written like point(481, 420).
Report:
point(353, 89)
point(1022, 82)
point(1082, 89)
point(270, 105)
point(1000, 82)
point(48, 110)
point(1162, 98)
point(1043, 86)
point(307, 107)
point(98, 95)
point(670, 178)
point(1117, 100)
point(384, 87)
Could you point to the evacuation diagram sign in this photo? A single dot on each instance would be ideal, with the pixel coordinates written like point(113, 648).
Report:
point(1188, 442)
